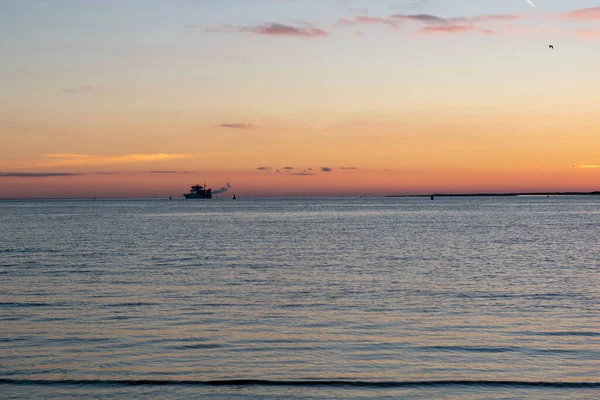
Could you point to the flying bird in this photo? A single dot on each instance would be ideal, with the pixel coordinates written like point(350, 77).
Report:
point(530, 2)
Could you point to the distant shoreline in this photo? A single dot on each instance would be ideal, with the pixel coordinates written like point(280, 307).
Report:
point(596, 193)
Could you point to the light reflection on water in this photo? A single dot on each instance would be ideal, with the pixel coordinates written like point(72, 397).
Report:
point(392, 289)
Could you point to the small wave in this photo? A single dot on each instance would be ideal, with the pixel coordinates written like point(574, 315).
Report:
point(29, 250)
point(311, 383)
point(562, 333)
point(28, 304)
point(131, 304)
point(200, 346)
point(78, 340)
point(476, 349)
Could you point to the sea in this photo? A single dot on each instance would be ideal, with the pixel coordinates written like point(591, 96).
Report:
point(325, 298)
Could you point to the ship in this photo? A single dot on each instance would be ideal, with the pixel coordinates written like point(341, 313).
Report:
point(199, 192)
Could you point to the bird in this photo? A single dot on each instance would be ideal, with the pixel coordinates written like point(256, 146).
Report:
point(551, 47)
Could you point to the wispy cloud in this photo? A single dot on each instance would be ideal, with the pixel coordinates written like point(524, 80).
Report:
point(434, 23)
point(36, 174)
point(170, 172)
point(238, 126)
point(300, 171)
point(87, 159)
point(81, 89)
point(586, 166)
point(455, 29)
point(303, 173)
point(423, 18)
point(430, 24)
point(367, 20)
point(272, 29)
point(584, 14)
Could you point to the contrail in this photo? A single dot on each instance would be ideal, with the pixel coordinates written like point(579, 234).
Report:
point(530, 2)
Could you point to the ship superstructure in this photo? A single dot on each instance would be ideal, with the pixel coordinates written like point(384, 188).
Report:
point(199, 192)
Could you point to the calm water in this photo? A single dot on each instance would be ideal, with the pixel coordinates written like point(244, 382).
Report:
point(457, 298)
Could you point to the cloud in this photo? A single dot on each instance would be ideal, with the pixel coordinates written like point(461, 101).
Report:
point(272, 29)
point(497, 17)
point(367, 20)
point(288, 168)
point(434, 24)
point(455, 29)
point(584, 14)
point(302, 173)
point(238, 126)
point(457, 25)
point(348, 168)
point(36, 174)
point(423, 18)
point(326, 169)
point(81, 89)
point(264, 168)
point(586, 166)
point(87, 159)
point(170, 172)
point(429, 19)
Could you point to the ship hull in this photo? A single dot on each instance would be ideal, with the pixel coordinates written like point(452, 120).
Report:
point(197, 196)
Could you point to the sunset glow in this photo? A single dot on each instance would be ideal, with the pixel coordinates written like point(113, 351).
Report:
point(298, 98)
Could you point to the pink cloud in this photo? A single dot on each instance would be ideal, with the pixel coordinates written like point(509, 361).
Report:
point(238, 126)
point(359, 20)
point(273, 29)
point(435, 24)
point(498, 17)
point(586, 166)
point(423, 18)
point(453, 29)
point(434, 20)
point(286, 30)
point(584, 14)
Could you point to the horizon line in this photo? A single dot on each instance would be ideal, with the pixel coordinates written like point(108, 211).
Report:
point(477, 194)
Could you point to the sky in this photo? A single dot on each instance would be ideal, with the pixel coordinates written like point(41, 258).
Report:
point(292, 98)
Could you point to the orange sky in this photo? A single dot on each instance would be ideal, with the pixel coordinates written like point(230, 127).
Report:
point(375, 99)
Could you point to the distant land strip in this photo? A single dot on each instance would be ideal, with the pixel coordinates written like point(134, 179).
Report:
point(596, 193)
